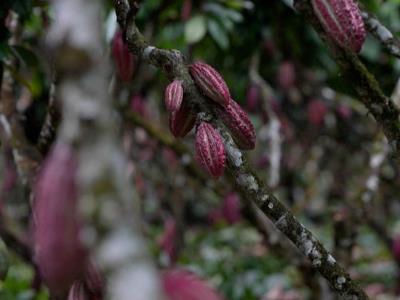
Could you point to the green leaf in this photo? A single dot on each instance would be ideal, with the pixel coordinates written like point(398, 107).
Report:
point(25, 55)
point(195, 29)
point(218, 33)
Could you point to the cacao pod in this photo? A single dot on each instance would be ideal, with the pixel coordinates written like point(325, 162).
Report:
point(174, 95)
point(94, 282)
point(316, 111)
point(252, 97)
point(286, 76)
point(125, 61)
point(210, 151)
point(342, 21)
point(78, 291)
point(59, 252)
point(182, 121)
point(238, 122)
point(210, 82)
point(182, 285)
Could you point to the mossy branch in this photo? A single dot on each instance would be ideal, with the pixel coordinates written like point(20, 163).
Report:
point(252, 189)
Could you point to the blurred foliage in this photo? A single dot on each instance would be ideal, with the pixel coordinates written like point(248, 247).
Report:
point(322, 165)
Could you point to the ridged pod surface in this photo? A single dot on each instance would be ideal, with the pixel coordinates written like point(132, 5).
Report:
point(78, 292)
point(210, 82)
point(210, 151)
point(173, 95)
point(182, 121)
point(238, 122)
point(59, 253)
point(125, 61)
point(343, 22)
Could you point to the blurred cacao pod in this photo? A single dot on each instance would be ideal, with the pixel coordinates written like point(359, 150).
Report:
point(342, 21)
point(238, 122)
point(186, 10)
point(182, 121)
point(94, 282)
point(210, 151)
point(182, 285)
point(174, 95)
point(59, 252)
point(78, 292)
point(316, 111)
point(286, 76)
point(167, 241)
point(210, 82)
point(125, 62)
point(253, 98)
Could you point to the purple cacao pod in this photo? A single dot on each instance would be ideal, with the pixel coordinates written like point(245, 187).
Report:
point(78, 291)
point(316, 111)
point(125, 62)
point(94, 282)
point(59, 252)
point(286, 76)
point(182, 285)
point(168, 240)
point(174, 95)
point(252, 97)
point(231, 208)
point(210, 82)
point(396, 248)
point(182, 121)
point(210, 151)
point(238, 122)
point(342, 21)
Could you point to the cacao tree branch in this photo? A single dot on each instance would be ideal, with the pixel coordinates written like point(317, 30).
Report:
point(251, 188)
point(381, 107)
point(274, 239)
point(381, 33)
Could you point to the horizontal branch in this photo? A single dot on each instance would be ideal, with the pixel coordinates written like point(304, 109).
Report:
point(251, 188)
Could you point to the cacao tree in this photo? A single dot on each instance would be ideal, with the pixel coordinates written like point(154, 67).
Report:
point(187, 150)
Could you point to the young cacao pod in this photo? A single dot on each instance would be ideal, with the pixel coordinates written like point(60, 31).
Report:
point(210, 151)
point(238, 122)
point(342, 21)
point(182, 285)
point(78, 291)
point(59, 252)
point(182, 121)
point(316, 112)
point(174, 95)
point(210, 82)
point(125, 62)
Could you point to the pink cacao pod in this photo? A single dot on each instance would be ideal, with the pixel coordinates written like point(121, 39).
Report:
point(186, 10)
point(182, 121)
point(59, 253)
point(210, 151)
point(231, 208)
point(78, 291)
point(168, 240)
point(252, 98)
point(342, 21)
point(210, 82)
point(174, 95)
point(316, 111)
point(396, 248)
point(286, 76)
point(239, 124)
point(94, 282)
point(125, 61)
point(182, 285)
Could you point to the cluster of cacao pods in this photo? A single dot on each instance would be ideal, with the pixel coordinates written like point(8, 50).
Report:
point(210, 150)
point(342, 21)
